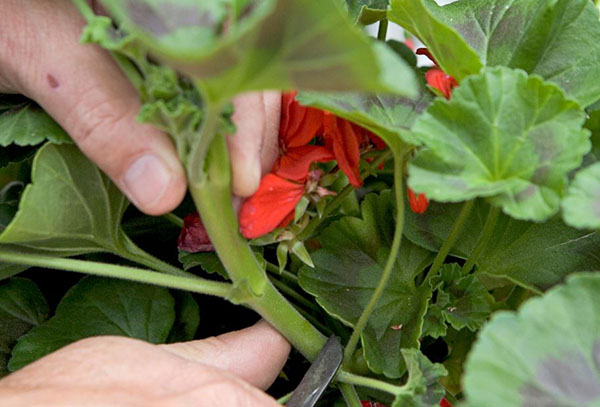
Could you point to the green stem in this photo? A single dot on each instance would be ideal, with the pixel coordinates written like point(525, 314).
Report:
point(197, 284)
point(350, 395)
point(350, 378)
point(451, 239)
point(486, 234)
point(273, 269)
point(174, 219)
point(199, 146)
point(382, 32)
point(84, 9)
point(389, 266)
point(293, 294)
point(285, 398)
point(339, 199)
point(209, 183)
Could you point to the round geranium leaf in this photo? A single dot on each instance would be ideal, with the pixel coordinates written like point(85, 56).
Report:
point(547, 354)
point(503, 135)
point(581, 207)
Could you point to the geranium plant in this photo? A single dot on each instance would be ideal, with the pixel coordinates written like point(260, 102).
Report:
point(440, 219)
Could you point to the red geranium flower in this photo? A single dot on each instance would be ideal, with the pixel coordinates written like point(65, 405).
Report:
point(418, 203)
point(436, 78)
point(193, 237)
point(445, 403)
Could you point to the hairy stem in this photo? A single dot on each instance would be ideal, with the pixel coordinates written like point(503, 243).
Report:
point(350, 378)
point(486, 234)
point(389, 266)
point(197, 284)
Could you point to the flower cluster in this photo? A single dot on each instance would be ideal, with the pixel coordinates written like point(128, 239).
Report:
point(306, 136)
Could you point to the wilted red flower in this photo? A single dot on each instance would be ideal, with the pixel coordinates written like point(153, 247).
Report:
point(193, 237)
point(436, 78)
point(418, 203)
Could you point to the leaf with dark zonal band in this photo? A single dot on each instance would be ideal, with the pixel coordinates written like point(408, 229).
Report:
point(22, 306)
point(451, 51)
point(24, 123)
point(234, 47)
point(556, 39)
point(505, 136)
point(534, 255)
point(367, 11)
point(581, 206)
point(547, 354)
point(69, 208)
point(97, 306)
point(347, 270)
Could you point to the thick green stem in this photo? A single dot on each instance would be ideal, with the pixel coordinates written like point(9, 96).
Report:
point(211, 191)
point(486, 234)
point(197, 284)
point(451, 239)
point(382, 32)
point(350, 395)
point(389, 266)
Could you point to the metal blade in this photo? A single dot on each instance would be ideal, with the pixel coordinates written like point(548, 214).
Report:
point(319, 375)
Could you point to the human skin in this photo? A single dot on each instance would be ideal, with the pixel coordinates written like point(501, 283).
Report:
point(227, 370)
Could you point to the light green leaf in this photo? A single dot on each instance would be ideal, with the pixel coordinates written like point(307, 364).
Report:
point(367, 11)
point(451, 51)
point(347, 270)
point(556, 39)
point(533, 255)
point(97, 306)
point(22, 306)
point(505, 136)
point(546, 354)
point(423, 388)
point(581, 206)
point(69, 208)
point(267, 44)
point(24, 123)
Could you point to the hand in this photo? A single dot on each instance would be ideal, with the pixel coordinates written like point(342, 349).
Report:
point(115, 371)
point(87, 94)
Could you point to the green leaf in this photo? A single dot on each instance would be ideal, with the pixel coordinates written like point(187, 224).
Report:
point(423, 388)
point(533, 255)
point(556, 39)
point(15, 154)
point(349, 267)
point(505, 136)
point(22, 306)
point(581, 206)
point(97, 306)
point(546, 354)
point(208, 261)
point(367, 11)
point(24, 123)
point(452, 53)
point(388, 116)
point(462, 301)
point(187, 317)
point(459, 346)
point(268, 44)
point(69, 208)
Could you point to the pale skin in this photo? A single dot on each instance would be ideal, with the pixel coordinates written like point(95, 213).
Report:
point(86, 93)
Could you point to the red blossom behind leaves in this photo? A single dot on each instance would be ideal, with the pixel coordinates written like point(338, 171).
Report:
point(193, 237)
point(418, 202)
point(445, 403)
point(436, 78)
point(344, 138)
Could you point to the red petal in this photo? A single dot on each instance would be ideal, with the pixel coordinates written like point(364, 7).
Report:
point(299, 124)
point(269, 206)
point(436, 78)
point(345, 141)
point(445, 403)
point(418, 203)
point(193, 237)
point(295, 163)
point(425, 51)
point(377, 142)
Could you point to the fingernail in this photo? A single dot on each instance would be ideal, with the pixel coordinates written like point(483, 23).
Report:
point(146, 181)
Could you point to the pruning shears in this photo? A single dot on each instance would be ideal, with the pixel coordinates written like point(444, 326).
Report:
point(318, 376)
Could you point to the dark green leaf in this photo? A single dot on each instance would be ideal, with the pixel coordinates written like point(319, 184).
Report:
point(14, 154)
point(22, 306)
point(265, 44)
point(208, 261)
point(505, 136)
point(187, 317)
point(367, 11)
point(581, 206)
point(556, 39)
point(546, 354)
point(24, 123)
point(97, 306)
point(459, 346)
point(451, 51)
point(347, 270)
point(70, 207)
point(423, 388)
point(536, 255)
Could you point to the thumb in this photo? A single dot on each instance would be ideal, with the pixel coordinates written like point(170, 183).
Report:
point(255, 354)
point(88, 95)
